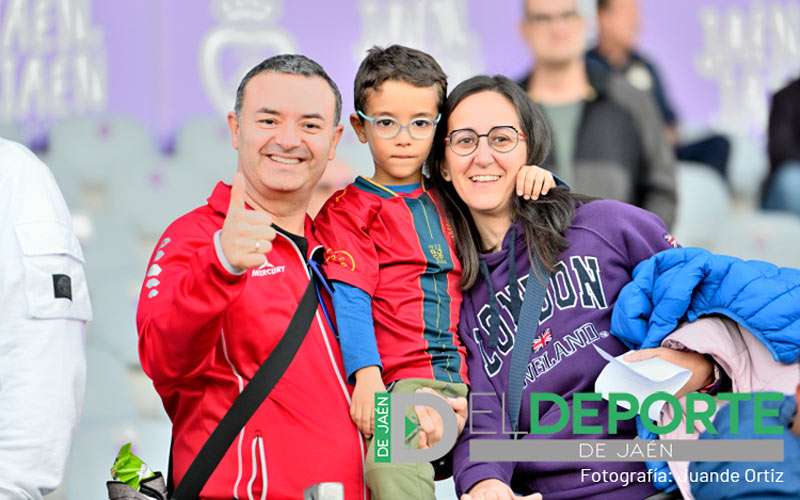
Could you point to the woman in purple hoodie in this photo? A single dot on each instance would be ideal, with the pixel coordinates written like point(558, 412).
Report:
point(589, 247)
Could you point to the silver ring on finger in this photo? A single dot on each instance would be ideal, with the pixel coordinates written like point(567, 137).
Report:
point(258, 245)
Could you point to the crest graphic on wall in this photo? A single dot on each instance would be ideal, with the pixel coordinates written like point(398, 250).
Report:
point(247, 34)
point(748, 52)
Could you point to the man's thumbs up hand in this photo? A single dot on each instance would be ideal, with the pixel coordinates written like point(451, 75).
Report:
point(246, 234)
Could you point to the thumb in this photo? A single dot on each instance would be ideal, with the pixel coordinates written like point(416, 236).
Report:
point(458, 404)
point(423, 441)
point(237, 192)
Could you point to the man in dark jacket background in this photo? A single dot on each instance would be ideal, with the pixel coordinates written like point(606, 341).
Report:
point(608, 136)
point(783, 143)
point(618, 23)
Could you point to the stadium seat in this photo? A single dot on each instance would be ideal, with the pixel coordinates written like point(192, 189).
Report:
point(747, 167)
point(204, 143)
point(770, 236)
point(703, 205)
point(108, 388)
point(96, 147)
point(12, 132)
point(95, 158)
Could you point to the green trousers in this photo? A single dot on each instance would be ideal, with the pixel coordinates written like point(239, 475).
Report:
point(388, 481)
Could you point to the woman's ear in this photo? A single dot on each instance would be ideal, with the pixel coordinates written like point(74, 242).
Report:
point(445, 173)
point(358, 127)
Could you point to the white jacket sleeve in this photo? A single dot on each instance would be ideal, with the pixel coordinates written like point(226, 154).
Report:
point(44, 306)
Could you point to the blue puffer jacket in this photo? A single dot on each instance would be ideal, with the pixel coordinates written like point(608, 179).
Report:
point(687, 283)
point(684, 284)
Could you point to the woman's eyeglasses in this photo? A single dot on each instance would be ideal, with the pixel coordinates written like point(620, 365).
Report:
point(502, 139)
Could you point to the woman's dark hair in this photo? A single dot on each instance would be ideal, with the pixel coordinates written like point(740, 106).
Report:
point(544, 220)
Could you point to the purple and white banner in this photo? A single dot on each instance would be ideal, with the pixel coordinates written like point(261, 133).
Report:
point(164, 61)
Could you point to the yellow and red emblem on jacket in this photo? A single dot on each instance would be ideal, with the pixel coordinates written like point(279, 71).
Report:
point(341, 257)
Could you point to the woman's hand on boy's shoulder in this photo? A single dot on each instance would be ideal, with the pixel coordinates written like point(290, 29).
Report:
point(534, 181)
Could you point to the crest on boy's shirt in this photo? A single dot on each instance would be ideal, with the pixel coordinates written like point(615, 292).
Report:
point(542, 340)
point(341, 257)
point(436, 253)
point(671, 240)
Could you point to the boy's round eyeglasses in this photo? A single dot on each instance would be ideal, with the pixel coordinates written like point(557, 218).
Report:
point(503, 139)
point(387, 127)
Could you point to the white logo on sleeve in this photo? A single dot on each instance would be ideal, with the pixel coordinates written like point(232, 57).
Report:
point(154, 270)
point(267, 269)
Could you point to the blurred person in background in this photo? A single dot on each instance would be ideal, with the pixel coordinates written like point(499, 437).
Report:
point(608, 136)
point(782, 187)
point(44, 308)
point(618, 23)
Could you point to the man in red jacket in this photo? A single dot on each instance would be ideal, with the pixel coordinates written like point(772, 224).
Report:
point(222, 285)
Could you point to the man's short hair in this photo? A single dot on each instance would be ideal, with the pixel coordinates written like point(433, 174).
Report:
point(400, 64)
point(290, 64)
point(587, 9)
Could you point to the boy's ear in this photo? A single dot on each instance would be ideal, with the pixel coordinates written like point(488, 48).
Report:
point(358, 127)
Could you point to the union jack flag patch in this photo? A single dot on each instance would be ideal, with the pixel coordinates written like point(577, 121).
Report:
point(542, 340)
point(671, 240)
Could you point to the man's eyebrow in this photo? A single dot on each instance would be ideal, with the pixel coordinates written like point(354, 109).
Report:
point(306, 116)
point(316, 116)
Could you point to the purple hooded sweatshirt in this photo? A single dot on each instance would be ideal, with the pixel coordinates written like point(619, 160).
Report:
point(607, 239)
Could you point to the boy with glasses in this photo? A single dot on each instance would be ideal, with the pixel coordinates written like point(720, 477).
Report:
point(390, 252)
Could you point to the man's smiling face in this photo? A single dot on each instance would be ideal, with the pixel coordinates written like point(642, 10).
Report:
point(285, 133)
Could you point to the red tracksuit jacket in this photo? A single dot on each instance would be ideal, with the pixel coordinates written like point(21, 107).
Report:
point(203, 333)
